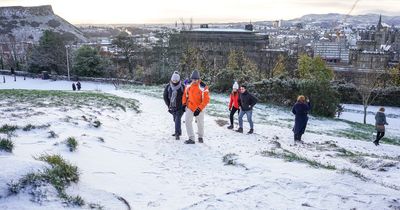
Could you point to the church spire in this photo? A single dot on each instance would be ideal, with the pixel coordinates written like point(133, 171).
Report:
point(379, 26)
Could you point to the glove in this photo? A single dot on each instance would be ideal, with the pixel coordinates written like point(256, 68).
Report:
point(197, 112)
point(170, 111)
point(230, 109)
point(184, 108)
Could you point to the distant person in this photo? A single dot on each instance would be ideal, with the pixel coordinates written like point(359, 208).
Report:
point(78, 85)
point(246, 103)
point(73, 86)
point(300, 110)
point(380, 122)
point(173, 93)
point(233, 103)
point(195, 99)
point(12, 71)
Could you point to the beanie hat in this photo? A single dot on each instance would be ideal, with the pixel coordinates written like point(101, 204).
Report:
point(195, 75)
point(235, 86)
point(175, 76)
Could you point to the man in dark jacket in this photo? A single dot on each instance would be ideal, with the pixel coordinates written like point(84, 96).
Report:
point(300, 110)
point(246, 104)
point(173, 93)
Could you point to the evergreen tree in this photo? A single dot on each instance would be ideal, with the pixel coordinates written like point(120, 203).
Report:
point(314, 68)
point(128, 46)
point(88, 62)
point(49, 55)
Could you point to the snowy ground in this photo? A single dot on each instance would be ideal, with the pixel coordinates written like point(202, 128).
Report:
point(141, 162)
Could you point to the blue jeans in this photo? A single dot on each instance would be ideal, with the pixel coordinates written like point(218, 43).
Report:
point(177, 116)
point(249, 115)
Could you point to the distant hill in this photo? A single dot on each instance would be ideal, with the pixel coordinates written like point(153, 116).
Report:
point(356, 20)
point(29, 23)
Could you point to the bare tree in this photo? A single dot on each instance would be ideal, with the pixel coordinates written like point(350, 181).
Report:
point(369, 88)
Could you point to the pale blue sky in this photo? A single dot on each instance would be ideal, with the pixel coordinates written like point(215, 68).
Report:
point(169, 11)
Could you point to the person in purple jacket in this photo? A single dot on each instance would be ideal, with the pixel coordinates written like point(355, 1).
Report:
point(300, 110)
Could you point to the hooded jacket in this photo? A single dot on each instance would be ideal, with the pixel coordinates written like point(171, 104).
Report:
point(196, 95)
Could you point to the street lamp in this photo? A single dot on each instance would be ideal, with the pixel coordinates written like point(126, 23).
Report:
point(66, 49)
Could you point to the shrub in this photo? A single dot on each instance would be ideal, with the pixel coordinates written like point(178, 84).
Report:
point(6, 145)
point(72, 144)
point(285, 91)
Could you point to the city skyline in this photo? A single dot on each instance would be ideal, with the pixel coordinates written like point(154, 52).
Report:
point(157, 11)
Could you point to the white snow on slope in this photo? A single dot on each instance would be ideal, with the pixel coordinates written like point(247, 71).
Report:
point(141, 162)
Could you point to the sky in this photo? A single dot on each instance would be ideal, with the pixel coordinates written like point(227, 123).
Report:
point(202, 11)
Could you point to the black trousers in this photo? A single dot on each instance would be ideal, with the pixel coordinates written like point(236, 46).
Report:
point(379, 135)
point(297, 137)
point(233, 111)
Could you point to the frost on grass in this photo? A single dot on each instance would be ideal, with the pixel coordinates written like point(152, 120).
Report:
point(6, 145)
point(52, 135)
point(8, 129)
point(72, 144)
point(32, 127)
point(293, 157)
point(232, 159)
point(53, 180)
point(55, 98)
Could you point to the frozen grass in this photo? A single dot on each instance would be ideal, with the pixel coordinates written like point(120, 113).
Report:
point(6, 145)
point(59, 175)
point(8, 129)
point(72, 144)
point(55, 98)
point(291, 157)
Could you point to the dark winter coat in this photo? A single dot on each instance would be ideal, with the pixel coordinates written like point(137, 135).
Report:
point(380, 121)
point(301, 117)
point(167, 98)
point(247, 101)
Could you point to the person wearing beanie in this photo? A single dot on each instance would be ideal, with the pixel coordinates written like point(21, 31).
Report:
point(233, 103)
point(246, 103)
point(173, 93)
point(195, 99)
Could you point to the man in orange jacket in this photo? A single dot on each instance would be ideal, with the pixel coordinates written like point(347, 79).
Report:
point(195, 99)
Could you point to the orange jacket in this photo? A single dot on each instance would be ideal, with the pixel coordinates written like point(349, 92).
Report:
point(196, 95)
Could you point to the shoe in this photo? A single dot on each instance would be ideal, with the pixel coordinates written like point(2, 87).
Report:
point(230, 127)
point(376, 143)
point(200, 140)
point(298, 142)
point(175, 134)
point(250, 131)
point(177, 137)
point(240, 130)
point(190, 141)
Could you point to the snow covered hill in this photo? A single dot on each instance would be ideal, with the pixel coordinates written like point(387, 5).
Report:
point(132, 159)
point(27, 24)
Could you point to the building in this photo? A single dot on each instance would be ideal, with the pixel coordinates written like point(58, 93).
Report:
point(217, 43)
point(332, 52)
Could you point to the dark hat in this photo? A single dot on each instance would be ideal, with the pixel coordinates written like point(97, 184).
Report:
point(195, 75)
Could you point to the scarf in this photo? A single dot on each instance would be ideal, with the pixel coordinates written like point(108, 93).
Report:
point(174, 88)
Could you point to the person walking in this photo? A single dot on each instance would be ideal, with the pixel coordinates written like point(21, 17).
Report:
point(246, 103)
point(78, 85)
point(233, 103)
point(195, 99)
point(300, 110)
point(173, 93)
point(73, 86)
point(380, 122)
